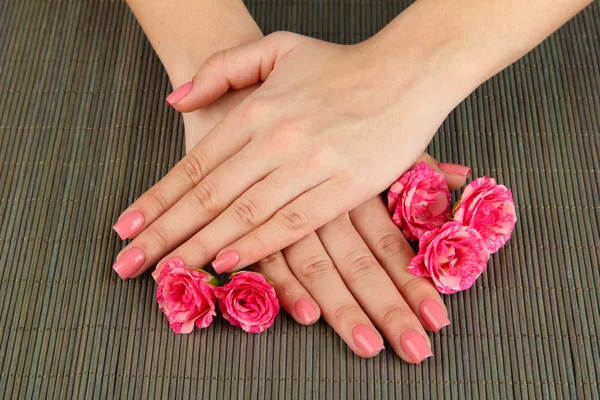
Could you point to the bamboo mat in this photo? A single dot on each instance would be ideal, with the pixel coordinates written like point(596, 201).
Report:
point(84, 130)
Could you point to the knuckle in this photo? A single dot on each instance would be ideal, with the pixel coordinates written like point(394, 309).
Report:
point(283, 136)
point(288, 128)
point(362, 267)
point(323, 157)
point(194, 168)
point(392, 313)
point(387, 245)
point(351, 177)
point(272, 260)
point(199, 248)
point(255, 108)
point(204, 198)
point(414, 284)
point(347, 312)
point(315, 269)
point(278, 35)
point(158, 201)
point(245, 212)
point(159, 235)
point(258, 246)
point(294, 221)
point(215, 60)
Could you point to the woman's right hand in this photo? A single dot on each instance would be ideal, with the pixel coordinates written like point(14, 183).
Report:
point(353, 272)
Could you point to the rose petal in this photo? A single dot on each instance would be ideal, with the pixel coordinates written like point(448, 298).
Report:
point(453, 256)
point(184, 296)
point(419, 201)
point(248, 300)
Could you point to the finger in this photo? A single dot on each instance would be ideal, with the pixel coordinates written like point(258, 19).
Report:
point(214, 149)
point(315, 271)
point(364, 277)
point(195, 210)
point(393, 252)
point(235, 68)
point(291, 294)
point(289, 224)
point(247, 212)
point(456, 175)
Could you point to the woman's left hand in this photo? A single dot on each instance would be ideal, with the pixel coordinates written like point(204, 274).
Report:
point(331, 127)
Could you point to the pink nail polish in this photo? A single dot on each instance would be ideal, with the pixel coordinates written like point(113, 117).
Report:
point(306, 312)
point(367, 339)
point(129, 224)
point(455, 169)
point(129, 262)
point(433, 314)
point(179, 93)
point(415, 346)
point(226, 261)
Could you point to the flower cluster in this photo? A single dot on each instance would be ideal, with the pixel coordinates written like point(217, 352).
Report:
point(188, 297)
point(453, 252)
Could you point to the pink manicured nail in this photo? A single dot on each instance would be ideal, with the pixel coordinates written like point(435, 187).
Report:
point(433, 314)
point(306, 312)
point(226, 261)
point(179, 93)
point(455, 169)
point(129, 224)
point(367, 339)
point(129, 262)
point(415, 346)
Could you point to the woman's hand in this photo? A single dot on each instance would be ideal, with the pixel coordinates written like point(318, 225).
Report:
point(353, 272)
point(330, 127)
point(334, 272)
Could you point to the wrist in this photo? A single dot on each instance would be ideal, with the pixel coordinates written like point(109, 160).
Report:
point(184, 33)
point(459, 44)
point(437, 56)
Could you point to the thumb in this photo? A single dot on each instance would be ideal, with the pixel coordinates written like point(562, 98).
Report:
point(235, 68)
point(455, 174)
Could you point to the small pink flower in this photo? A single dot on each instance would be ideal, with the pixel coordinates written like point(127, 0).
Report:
point(489, 209)
point(185, 296)
point(453, 256)
point(248, 300)
point(419, 201)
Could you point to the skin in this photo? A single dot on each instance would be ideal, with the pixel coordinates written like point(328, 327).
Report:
point(328, 120)
point(305, 270)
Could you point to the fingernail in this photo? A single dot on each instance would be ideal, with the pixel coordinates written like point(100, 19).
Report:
point(433, 314)
point(129, 224)
point(367, 339)
point(226, 261)
point(455, 169)
point(179, 93)
point(415, 346)
point(306, 312)
point(129, 262)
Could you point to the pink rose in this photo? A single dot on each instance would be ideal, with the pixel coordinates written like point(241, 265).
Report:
point(185, 296)
point(248, 300)
point(419, 201)
point(489, 209)
point(452, 256)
